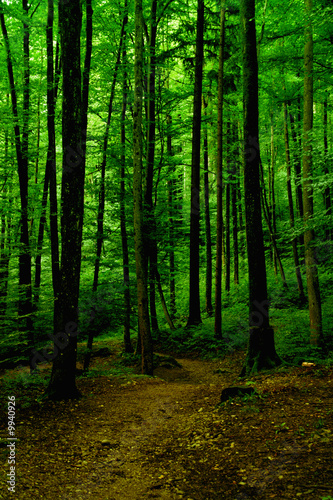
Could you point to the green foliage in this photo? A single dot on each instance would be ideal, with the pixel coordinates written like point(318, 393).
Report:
point(198, 340)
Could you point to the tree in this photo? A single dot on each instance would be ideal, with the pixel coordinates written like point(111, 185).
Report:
point(316, 332)
point(219, 185)
point(140, 250)
point(25, 292)
point(261, 349)
point(62, 384)
point(194, 309)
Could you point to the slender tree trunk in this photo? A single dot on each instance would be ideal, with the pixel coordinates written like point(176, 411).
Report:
point(291, 207)
point(209, 306)
point(297, 169)
point(140, 250)
point(272, 204)
point(101, 197)
point(51, 171)
point(316, 332)
point(50, 177)
point(62, 384)
point(25, 295)
point(101, 194)
point(5, 248)
point(164, 306)
point(149, 217)
point(234, 209)
point(268, 219)
point(327, 190)
point(194, 309)
point(5, 251)
point(219, 185)
point(261, 350)
point(227, 215)
point(171, 210)
point(127, 296)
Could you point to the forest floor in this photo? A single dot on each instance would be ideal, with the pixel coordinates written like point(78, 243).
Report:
point(166, 437)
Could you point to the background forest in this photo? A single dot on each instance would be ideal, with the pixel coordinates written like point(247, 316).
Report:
point(45, 61)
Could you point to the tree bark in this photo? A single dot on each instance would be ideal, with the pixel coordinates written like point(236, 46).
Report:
point(194, 309)
point(261, 350)
point(209, 306)
point(291, 207)
point(227, 213)
point(219, 185)
point(62, 384)
point(124, 244)
point(327, 190)
point(234, 210)
point(149, 216)
point(140, 250)
point(25, 293)
point(171, 219)
point(316, 332)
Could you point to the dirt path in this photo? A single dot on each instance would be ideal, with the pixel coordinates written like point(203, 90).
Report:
point(164, 439)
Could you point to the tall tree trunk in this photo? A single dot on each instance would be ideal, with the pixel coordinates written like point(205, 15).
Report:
point(194, 309)
point(227, 213)
point(209, 306)
point(268, 219)
point(127, 296)
point(297, 154)
point(219, 185)
point(149, 217)
point(327, 190)
point(101, 194)
point(316, 332)
point(5, 251)
point(140, 250)
point(25, 295)
point(234, 208)
point(62, 383)
point(171, 219)
point(50, 177)
point(261, 349)
point(271, 203)
point(291, 207)
point(51, 152)
point(5, 248)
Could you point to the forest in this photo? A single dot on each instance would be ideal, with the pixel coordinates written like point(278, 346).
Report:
point(166, 248)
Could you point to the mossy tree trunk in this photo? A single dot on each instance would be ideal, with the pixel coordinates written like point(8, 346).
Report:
point(261, 352)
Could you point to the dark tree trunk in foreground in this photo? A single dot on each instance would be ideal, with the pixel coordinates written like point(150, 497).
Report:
point(140, 250)
point(316, 331)
point(219, 187)
point(25, 294)
point(261, 352)
point(62, 384)
point(194, 310)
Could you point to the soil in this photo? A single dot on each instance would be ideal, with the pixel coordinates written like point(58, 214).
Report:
point(167, 437)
